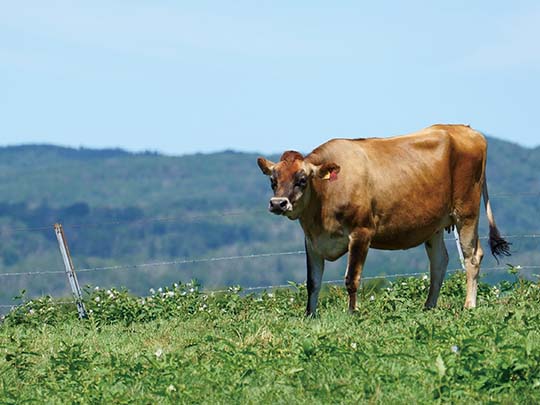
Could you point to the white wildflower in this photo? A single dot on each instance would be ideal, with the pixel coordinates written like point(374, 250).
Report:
point(31, 311)
point(170, 293)
point(160, 290)
point(183, 293)
point(97, 299)
point(152, 291)
point(291, 300)
point(171, 388)
point(454, 349)
point(96, 288)
point(354, 345)
point(159, 353)
point(372, 298)
point(175, 285)
point(425, 277)
point(143, 301)
point(270, 295)
point(192, 290)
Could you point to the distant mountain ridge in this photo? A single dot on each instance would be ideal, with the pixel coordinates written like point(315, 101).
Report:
point(64, 151)
point(83, 151)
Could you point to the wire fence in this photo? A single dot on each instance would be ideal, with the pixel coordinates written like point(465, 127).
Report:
point(184, 261)
point(218, 259)
point(291, 284)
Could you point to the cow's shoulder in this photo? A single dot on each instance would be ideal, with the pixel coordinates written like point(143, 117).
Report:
point(337, 149)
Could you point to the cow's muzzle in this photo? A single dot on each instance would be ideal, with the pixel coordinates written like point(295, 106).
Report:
point(279, 205)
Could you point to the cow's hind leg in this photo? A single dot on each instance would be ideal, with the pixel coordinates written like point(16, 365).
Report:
point(438, 262)
point(358, 248)
point(472, 254)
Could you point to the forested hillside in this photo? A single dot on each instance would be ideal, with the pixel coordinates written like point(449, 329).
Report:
point(120, 208)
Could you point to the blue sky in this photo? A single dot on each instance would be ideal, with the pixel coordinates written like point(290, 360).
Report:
point(182, 77)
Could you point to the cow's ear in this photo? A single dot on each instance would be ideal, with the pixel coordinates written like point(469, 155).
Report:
point(265, 165)
point(328, 171)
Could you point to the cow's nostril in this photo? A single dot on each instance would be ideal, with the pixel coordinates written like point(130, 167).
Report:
point(279, 205)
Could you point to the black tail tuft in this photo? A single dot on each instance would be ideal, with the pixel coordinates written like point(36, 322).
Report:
point(499, 247)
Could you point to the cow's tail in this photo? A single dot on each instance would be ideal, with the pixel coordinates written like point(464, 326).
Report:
point(499, 247)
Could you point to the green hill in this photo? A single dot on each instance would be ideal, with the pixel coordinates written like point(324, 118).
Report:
point(121, 208)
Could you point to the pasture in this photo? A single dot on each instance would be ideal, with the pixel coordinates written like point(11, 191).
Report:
point(179, 345)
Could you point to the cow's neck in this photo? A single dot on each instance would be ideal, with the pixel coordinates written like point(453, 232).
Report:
point(311, 218)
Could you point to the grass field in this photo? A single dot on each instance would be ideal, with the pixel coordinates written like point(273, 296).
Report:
point(181, 346)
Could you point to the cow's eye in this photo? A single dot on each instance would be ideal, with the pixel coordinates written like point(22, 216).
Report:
point(302, 181)
point(273, 184)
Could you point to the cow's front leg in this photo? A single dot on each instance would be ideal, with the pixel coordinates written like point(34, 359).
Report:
point(359, 241)
point(315, 269)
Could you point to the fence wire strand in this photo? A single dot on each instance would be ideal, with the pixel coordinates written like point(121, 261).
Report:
point(194, 217)
point(379, 277)
point(156, 264)
point(204, 260)
point(139, 221)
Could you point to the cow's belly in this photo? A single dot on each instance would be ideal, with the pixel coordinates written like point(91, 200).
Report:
point(391, 235)
point(406, 237)
point(397, 243)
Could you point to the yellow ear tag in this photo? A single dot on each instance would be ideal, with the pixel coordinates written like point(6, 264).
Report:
point(330, 176)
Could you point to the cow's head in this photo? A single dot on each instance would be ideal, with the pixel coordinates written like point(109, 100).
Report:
point(291, 181)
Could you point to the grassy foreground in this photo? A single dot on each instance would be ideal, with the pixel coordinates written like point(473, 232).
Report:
point(182, 346)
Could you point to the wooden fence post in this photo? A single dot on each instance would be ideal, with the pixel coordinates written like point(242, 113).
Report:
point(70, 269)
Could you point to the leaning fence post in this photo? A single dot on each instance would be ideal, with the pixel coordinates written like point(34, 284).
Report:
point(70, 269)
point(458, 245)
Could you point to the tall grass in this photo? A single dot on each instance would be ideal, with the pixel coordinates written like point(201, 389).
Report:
point(178, 345)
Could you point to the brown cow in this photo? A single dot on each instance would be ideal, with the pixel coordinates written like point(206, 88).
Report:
point(393, 193)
